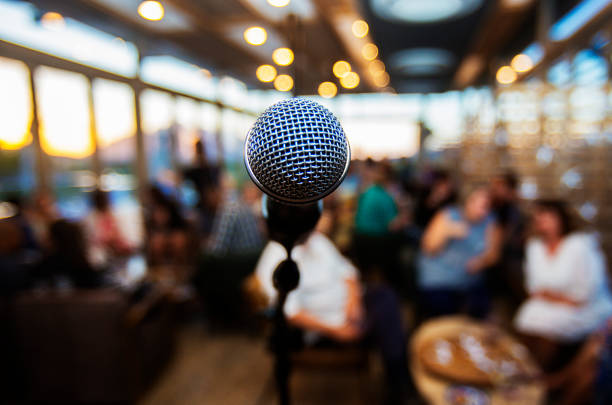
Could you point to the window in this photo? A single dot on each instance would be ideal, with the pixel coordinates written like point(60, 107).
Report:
point(65, 136)
point(16, 149)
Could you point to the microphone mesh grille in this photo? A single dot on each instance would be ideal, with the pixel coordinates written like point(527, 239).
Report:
point(297, 151)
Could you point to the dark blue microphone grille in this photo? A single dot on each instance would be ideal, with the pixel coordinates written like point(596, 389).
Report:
point(297, 151)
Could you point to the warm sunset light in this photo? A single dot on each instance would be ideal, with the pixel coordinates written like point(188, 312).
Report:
point(64, 113)
point(15, 105)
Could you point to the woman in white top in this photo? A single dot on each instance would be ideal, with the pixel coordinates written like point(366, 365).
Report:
point(565, 278)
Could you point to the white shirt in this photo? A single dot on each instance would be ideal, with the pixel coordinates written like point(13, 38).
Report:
point(576, 270)
point(322, 291)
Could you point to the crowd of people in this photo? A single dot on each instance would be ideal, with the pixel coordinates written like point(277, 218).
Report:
point(391, 237)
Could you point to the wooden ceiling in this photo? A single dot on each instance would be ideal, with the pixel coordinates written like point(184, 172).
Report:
point(212, 37)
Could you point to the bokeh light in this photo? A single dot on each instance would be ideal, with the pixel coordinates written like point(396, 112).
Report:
point(376, 66)
point(521, 63)
point(327, 90)
point(350, 80)
point(279, 3)
point(255, 36)
point(341, 68)
point(282, 56)
point(283, 83)
point(505, 75)
point(151, 10)
point(360, 28)
point(381, 78)
point(266, 73)
point(52, 20)
point(369, 51)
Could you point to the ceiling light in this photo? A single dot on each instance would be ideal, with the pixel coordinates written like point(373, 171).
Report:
point(327, 89)
point(381, 78)
point(369, 51)
point(421, 61)
point(423, 11)
point(350, 80)
point(206, 73)
point(255, 36)
point(341, 68)
point(266, 73)
point(283, 83)
point(376, 66)
point(279, 3)
point(521, 63)
point(52, 20)
point(151, 10)
point(282, 56)
point(360, 28)
point(505, 75)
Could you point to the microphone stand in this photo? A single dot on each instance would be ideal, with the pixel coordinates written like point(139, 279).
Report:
point(285, 278)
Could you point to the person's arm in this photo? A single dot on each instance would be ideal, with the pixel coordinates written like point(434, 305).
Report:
point(586, 262)
point(439, 231)
point(347, 332)
point(490, 256)
point(354, 305)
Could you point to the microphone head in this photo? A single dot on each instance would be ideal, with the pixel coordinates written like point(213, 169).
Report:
point(296, 152)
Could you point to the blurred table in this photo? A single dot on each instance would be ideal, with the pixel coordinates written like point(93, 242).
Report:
point(456, 360)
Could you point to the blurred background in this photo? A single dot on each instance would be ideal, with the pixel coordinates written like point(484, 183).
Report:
point(130, 230)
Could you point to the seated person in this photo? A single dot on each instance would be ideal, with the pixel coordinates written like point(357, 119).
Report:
point(66, 259)
point(235, 228)
point(587, 378)
point(565, 277)
point(459, 244)
point(168, 238)
point(329, 299)
point(104, 235)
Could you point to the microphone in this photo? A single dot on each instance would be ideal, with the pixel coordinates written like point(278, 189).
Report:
point(297, 152)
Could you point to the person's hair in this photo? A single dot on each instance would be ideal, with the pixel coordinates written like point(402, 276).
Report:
point(561, 210)
point(100, 200)
point(510, 179)
point(468, 190)
point(68, 241)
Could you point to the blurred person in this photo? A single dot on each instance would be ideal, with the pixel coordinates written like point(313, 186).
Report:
point(509, 270)
point(104, 236)
point(205, 178)
point(66, 261)
point(586, 379)
point(567, 286)
point(376, 220)
point(439, 194)
point(330, 301)
point(14, 269)
point(167, 230)
point(20, 217)
point(40, 214)
point(459, 244)
point(235, 228)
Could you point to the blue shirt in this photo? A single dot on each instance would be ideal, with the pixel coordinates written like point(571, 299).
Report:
point(448, 267)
